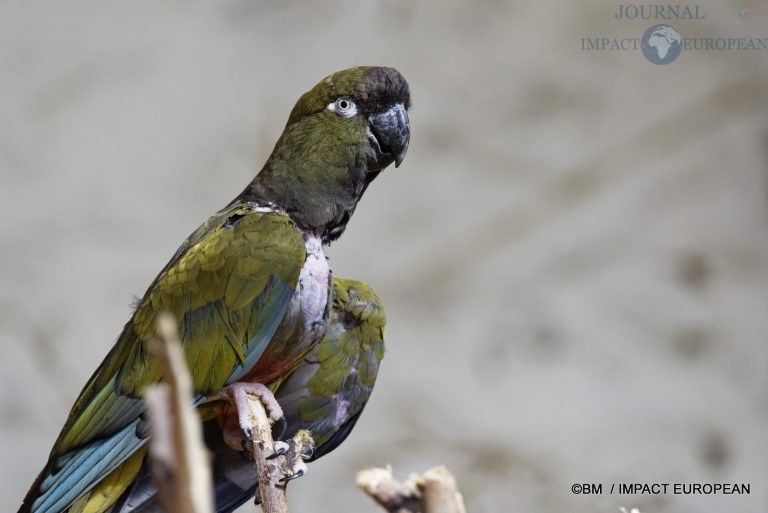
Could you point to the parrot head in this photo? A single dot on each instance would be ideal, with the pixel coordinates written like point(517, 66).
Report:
point(339, 136)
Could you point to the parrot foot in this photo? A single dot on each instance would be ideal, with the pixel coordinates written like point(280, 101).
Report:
point(289, 458)
point(280, 449)
point(298, 472)
point(236, 394)
point(300, 448)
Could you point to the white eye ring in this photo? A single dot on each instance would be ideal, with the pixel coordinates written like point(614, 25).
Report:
point(343, 107)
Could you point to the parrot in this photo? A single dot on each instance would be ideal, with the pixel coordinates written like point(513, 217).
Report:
point(325, 395)
point(251, 289)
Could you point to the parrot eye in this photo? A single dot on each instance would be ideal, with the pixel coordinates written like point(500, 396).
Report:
point(343, 107)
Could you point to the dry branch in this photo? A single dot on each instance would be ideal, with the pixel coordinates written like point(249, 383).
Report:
point(435, 491)
point(391, 494)
point(439, 493)
point(180, 464)
point(271, 491)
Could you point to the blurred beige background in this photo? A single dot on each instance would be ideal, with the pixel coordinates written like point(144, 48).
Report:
point(574, 256)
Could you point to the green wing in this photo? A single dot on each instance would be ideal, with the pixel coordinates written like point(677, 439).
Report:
point(229, 285)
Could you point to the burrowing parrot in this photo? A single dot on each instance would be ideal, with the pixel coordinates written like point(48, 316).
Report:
point(252, 291)
point(325, 394)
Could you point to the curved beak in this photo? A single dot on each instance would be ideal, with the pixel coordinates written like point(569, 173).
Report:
point(391, 132)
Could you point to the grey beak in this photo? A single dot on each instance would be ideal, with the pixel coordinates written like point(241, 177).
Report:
point(392, 132)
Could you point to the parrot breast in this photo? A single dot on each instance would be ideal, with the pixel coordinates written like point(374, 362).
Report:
point(313, 288)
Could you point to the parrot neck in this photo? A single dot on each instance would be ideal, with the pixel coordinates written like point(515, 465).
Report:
point(320, 203)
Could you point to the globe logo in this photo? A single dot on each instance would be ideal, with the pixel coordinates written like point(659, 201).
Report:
point(661, 44)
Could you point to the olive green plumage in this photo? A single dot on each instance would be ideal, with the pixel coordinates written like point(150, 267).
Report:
point(234, 284)
point(229, 285)
point(211, 287)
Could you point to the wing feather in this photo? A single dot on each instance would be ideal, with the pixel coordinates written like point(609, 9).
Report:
point(229, 285)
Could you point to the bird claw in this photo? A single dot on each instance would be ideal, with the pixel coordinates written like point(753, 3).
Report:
point(248, 436)
point(300, 448)
point(290, 462)
point(300, 471)
point(307, 451)
point(236, 395)
point(279, 427)
point(280, 449)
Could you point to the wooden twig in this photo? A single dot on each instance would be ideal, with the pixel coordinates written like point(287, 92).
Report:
point(271, 492)
point(391, 494)
point(180, 463)
point(439, 493)
point(434, 491)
